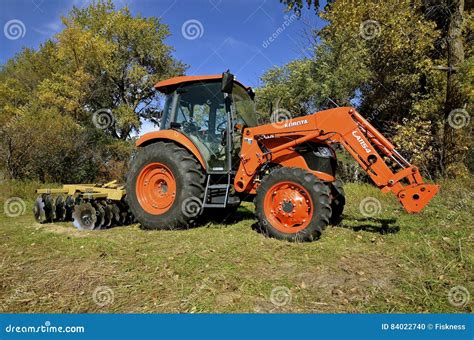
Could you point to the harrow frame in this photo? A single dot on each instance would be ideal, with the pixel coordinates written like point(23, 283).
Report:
point(88, 206)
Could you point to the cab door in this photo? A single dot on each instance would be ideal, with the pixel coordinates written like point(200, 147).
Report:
point(200, 114)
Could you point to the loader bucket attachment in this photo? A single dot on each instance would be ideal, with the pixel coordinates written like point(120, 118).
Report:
point(414, 197)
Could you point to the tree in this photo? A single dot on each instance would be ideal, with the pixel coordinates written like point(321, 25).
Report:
point(117, 58)
point(290, 87)
point(297, 5)
point(449, 17)
point(105, 61)
point(383, 57)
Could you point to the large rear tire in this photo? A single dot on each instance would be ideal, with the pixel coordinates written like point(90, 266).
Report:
point(165, 187)
point(292, 204)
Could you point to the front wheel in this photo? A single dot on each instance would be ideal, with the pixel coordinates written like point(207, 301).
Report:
point(292, 204)
point(338, 200)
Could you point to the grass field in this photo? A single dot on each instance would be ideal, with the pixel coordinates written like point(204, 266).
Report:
point(392, 262)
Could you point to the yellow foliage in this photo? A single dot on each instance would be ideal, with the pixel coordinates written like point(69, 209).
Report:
point(415, 138)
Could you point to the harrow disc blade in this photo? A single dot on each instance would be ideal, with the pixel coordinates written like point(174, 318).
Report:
point(69, 208)
point(115, 214)
point(107, 215)
point(38, 210)
point(99, 210)
point(78, 200)
point(49, 208)
point(124, 213)
point(84, 216)
point(60, 208)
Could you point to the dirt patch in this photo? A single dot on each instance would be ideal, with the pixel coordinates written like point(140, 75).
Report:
point(59, 229)
point(339, 286)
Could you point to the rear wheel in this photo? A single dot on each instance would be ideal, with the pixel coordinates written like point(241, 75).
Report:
point(292, 204)
point(165, 187)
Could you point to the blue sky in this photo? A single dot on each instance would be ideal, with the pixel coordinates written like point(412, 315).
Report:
point(230, 33)
point(210, 36)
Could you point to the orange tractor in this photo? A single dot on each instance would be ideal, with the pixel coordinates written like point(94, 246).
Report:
point(210, 154)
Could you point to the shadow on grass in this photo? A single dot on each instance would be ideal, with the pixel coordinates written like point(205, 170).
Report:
point(370, 224)
point(378, 225)
point(227, 217)
point(216, 216)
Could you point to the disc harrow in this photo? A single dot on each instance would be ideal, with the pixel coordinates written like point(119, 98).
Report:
point(87, 206)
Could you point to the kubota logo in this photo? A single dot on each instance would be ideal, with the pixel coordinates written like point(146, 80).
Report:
point(300, 122)
point(361, 141)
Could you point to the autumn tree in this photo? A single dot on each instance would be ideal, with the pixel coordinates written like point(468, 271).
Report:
point(111, 61)
point(384, 58)
point(290, 88)
point(104, 62)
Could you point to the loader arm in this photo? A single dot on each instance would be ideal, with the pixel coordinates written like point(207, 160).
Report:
point(347, 127)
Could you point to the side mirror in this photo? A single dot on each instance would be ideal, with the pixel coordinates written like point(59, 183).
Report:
point(227, 82)
point(251, 93)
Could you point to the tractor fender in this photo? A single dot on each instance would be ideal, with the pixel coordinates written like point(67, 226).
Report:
point(174, 136)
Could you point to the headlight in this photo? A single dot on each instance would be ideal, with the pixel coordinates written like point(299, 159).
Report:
point(324, 151)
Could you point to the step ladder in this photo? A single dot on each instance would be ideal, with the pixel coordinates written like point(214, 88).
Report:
point(212, 188)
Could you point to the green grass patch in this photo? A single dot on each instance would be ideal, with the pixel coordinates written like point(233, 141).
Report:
point(391, 262)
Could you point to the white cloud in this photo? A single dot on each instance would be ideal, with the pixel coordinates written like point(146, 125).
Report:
point(50, 28)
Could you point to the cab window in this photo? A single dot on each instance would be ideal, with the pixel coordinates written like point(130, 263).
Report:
point(200, 113)
point(244, 107)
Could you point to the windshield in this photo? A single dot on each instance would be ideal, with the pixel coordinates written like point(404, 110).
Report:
point(244, 107)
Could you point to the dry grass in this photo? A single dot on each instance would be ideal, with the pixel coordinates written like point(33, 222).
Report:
point(394, 262)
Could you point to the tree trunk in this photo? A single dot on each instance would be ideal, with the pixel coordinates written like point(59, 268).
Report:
point(454, 98)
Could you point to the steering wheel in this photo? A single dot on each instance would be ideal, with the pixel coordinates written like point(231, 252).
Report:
point(189, 127)
point(222, 129)
point(221, 126)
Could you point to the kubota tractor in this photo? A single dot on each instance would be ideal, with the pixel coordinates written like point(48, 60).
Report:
point(210, 154)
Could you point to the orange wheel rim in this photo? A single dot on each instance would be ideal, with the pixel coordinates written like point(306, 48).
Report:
point(288, 207)
point(156, 188)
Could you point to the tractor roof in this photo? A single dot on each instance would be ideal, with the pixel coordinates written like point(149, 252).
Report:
point(169, 85)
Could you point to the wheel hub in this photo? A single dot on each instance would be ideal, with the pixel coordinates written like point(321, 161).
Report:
point(288, 207)
point(156, 188)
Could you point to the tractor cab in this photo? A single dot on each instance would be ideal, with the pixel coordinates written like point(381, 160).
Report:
point(210, 111)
